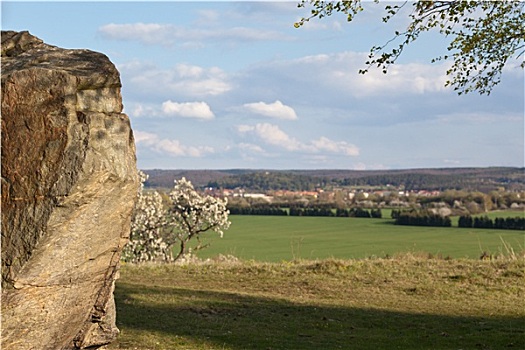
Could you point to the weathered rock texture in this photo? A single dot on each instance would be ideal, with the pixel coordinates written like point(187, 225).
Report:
point(69, 183)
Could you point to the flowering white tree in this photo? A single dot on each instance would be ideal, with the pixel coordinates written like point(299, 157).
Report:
point(156, 228)
point(146, 241)
point(192, 214)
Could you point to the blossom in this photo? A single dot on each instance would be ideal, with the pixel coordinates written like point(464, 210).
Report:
point(156, 228)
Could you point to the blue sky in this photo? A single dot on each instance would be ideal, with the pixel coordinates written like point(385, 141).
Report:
point(220, 85)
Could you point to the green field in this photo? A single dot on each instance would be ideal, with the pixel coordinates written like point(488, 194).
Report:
point(280, 238)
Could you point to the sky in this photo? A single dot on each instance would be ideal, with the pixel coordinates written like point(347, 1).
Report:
point(223, 85)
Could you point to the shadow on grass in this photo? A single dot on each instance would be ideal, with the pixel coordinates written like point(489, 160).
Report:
point(201, 319)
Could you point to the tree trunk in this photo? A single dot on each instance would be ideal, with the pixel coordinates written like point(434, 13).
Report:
point(182, 250)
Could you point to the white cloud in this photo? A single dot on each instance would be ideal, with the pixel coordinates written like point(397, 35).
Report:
point(272, 135)
point(170, 147)
point(413, 78)
point(208, 16)
point(314, 59)
point(334, 25)
point(340, 71)
point(198, 110)
point(275, 110)
point(480, 117)
point(180, 80)
point(169, 35)
point(145, 138)
point(147, 33)
point(189, 71)
point(135, 65)
point(251, 147)
point(136, 111)
point(336, 76)
point(247, 34)
point(175, 148)
point(325, 144)
point(245, 128)
point(139, 110)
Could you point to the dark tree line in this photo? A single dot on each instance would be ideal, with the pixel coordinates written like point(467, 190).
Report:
point(327, 211)
point(311, 211)
point(258, 211)
point(420, 218)
point(268, 181)
point(424, 218)
point(319, 210)
point(516, 223)
point(359, 213)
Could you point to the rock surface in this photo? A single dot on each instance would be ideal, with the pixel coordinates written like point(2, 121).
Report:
point(69, 184)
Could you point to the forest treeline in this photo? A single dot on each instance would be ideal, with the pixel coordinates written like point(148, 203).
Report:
point(516, 223)
point(266, 181)
point(480, 179)
point(420, 218)
point(318, 210)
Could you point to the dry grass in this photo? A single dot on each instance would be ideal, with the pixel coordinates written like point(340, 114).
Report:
point(405, 302)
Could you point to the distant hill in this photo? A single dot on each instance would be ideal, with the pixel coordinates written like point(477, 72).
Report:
point(479, 179)
point(159, 178)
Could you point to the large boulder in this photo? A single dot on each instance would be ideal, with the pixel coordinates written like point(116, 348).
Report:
point(69, 184)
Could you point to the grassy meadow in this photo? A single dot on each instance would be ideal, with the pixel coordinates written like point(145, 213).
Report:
point(311, 283)
point(407, 302)
point(278, 238)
